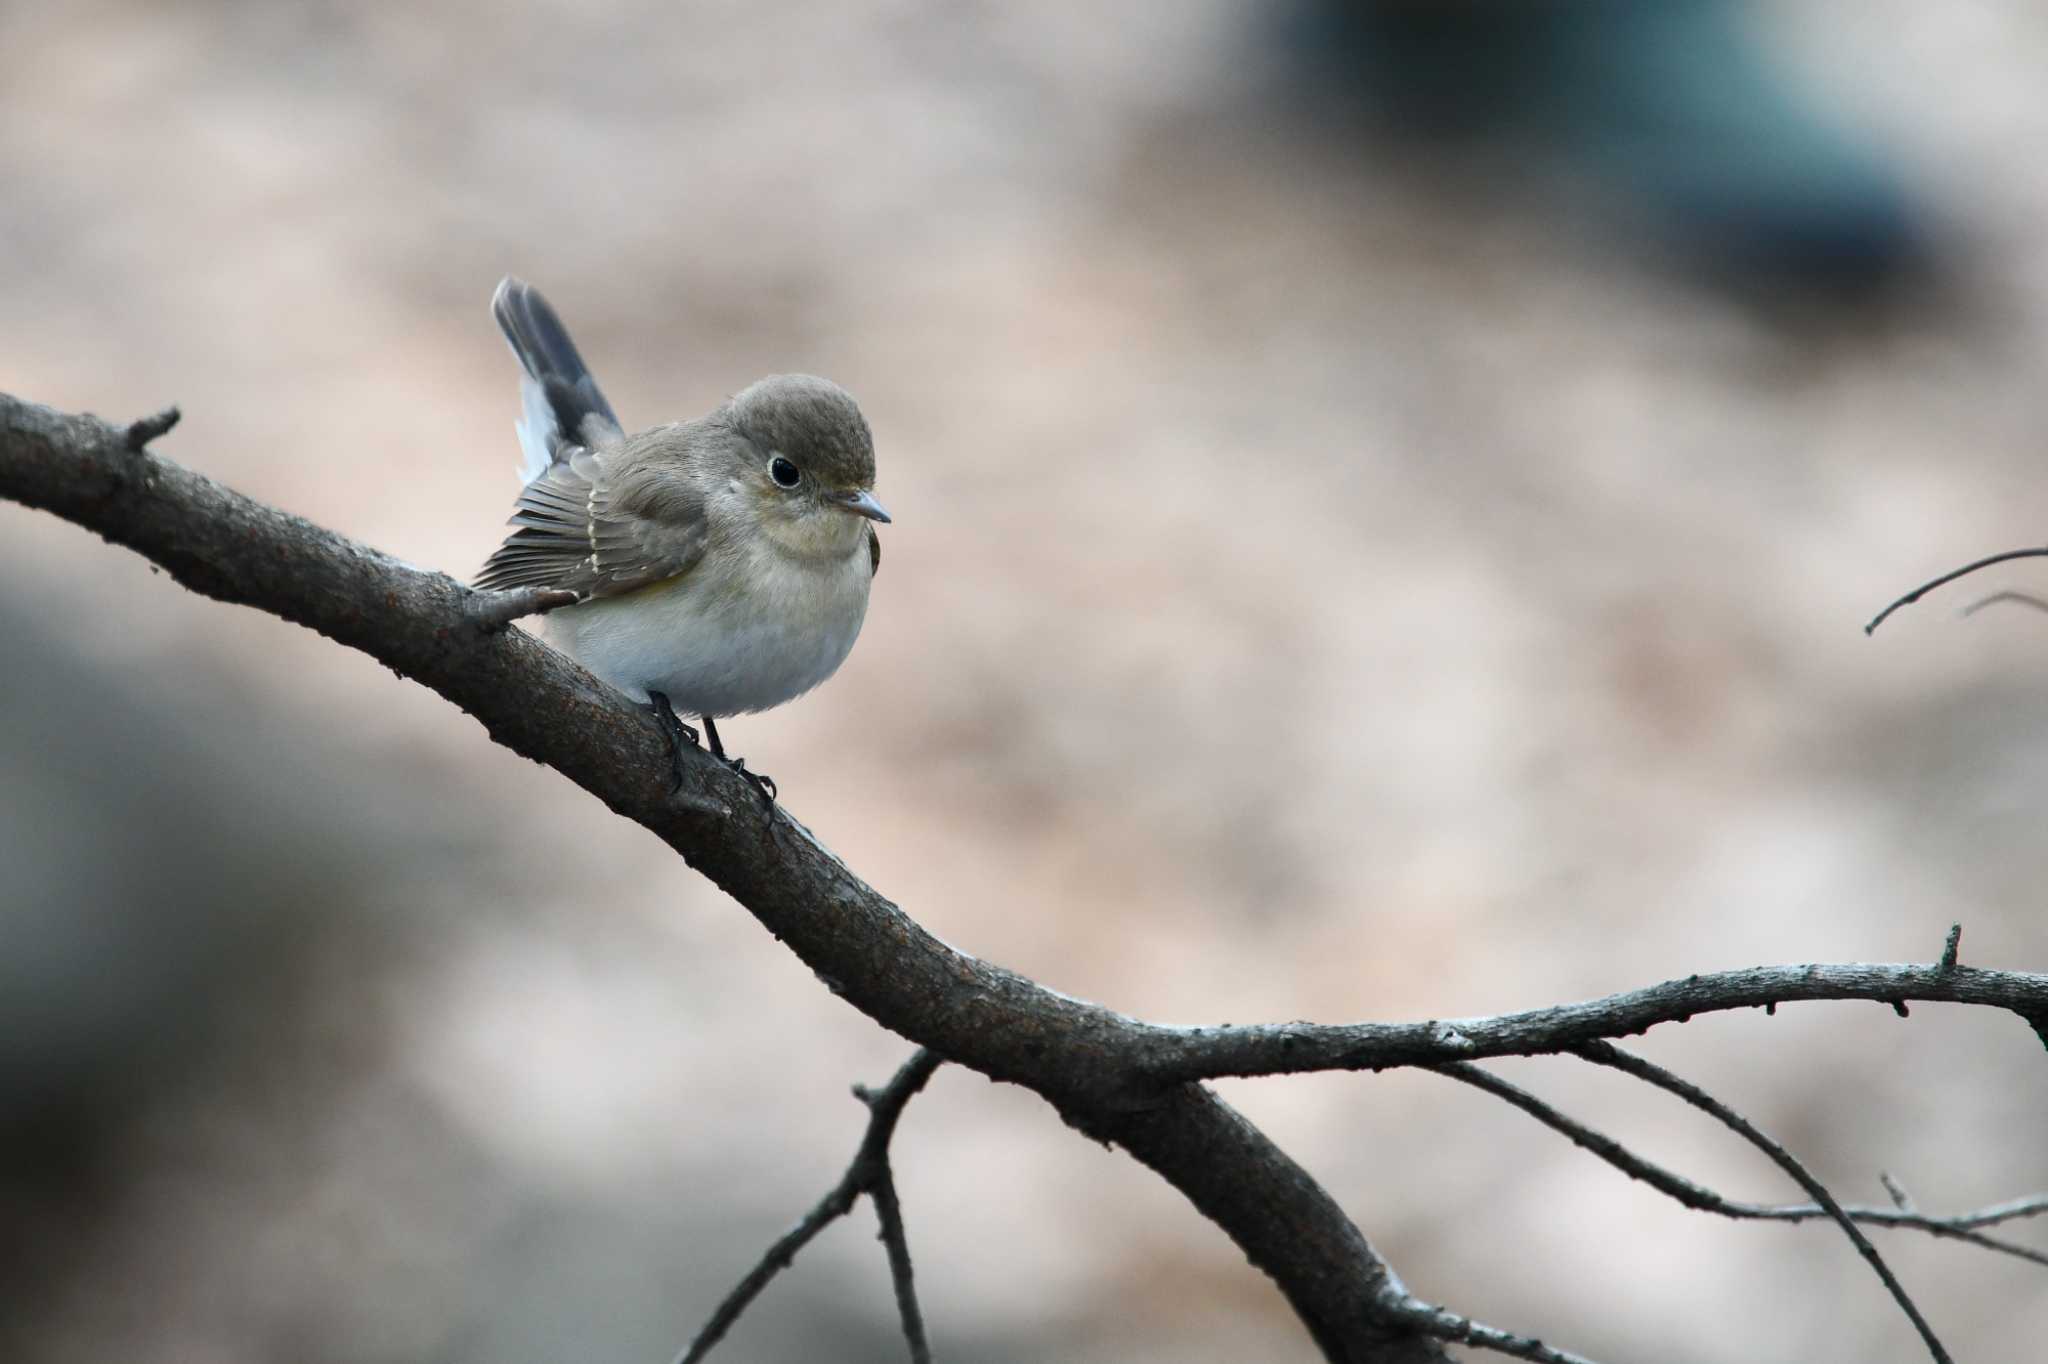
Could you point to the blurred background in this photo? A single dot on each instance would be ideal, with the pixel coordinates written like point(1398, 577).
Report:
point(1385, 497)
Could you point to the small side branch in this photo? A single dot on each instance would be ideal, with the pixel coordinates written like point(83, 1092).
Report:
point(143, 430)
point(1607, 1054)
point(869, 1174)
point(1445, 1324)
point(1945, 579)
point(2006, 598)
point(1962, 1227)
point(1184, 1054)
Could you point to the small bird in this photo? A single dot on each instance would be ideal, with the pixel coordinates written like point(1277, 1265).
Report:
point(722, 565)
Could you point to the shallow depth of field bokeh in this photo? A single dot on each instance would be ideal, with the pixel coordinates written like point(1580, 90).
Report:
point(1332, 577)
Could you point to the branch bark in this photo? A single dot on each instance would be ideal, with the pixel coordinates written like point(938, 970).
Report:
point(1300, 1048)
point(1078, 1056)
point(1119, 1080)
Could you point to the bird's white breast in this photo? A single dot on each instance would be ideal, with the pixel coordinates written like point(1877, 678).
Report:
point(737, 633)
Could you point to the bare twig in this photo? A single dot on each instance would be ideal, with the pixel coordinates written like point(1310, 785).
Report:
point(1923, 589)
point(1445, 1324)
point(2011, 1210)
point(1085, 1060)
point(2005, 598)
point(885, 1106)
point(1607, 1054)
point(1951, 948)
point(1296, 1048)
point(869, 1174)
point(1962, 1227)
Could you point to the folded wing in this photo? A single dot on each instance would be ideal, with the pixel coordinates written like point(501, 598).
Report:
point(572, 531)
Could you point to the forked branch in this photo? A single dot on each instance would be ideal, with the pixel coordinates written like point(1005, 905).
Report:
point(1607, 1054)
point(1120, 1080)
point(868, 1173)
point(1965, 1227)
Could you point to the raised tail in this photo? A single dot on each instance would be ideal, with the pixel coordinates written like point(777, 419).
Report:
point(563, 406)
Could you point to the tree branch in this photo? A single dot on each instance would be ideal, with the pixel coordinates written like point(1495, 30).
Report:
point(1445, 1324)
point(1117, 1079)
point(1298, 1048)
point(1080, 1057)
point(1961, 1227)
point(884, 1108)
point(869, 1174)
point(1607, 1054)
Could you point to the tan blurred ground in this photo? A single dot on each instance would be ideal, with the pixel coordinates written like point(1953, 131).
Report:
point(1312, 594)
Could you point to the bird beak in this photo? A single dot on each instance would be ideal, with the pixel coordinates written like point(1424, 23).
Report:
point(861, 502)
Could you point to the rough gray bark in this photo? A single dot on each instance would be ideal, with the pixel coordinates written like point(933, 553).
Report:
point(1119, 1080)
point(1079, 1057)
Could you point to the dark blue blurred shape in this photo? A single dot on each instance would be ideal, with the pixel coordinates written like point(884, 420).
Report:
point(1672, 106)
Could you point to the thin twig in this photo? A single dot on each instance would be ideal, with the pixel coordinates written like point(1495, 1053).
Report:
point(1951, 948)
point(1923, 589)
point(868, 1173)
point(1701, 1199)
point(2007, 597)
point(885, 1106)
point(889, 1214)
point(1445, 1324)
point(1607, 1054)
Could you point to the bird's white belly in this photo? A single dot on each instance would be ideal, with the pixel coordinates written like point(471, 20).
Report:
point(725, 641)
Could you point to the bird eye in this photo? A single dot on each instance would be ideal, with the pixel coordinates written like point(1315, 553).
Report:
point(783, 472)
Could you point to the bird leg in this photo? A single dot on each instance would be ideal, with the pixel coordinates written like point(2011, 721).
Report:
point(763, 783)
point(678, 735)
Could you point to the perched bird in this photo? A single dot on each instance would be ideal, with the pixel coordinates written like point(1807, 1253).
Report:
point(721, 565)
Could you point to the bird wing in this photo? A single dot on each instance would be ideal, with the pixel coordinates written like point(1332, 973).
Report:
point(874, 554)
point(577, 530)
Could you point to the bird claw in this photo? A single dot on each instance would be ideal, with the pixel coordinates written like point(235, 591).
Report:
point(760, 781)
point(679, 734)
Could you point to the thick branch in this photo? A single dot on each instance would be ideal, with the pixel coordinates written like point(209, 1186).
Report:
point(1118, 1079)
point(1078, 1056)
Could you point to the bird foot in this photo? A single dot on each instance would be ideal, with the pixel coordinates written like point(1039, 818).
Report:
point(760, 781)
point(679, 734)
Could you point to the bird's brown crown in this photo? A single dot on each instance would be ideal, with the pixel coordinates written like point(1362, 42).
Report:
point(812, 421)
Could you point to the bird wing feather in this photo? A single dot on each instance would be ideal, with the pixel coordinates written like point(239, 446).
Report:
point(577, 530)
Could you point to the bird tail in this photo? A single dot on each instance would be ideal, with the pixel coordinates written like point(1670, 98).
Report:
point(563, 408)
